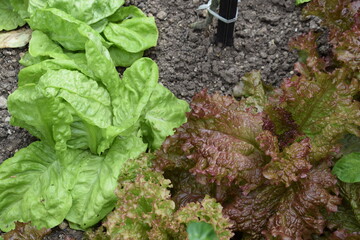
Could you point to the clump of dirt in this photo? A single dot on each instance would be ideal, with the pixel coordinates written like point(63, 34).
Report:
point(189, 60)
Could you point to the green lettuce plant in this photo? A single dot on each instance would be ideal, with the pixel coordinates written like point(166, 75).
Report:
point(88, 118)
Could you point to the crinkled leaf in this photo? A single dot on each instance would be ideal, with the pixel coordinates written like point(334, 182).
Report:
point(93, 193)
point(71, 33)
point(123, 58)
point(26, 231)
point(162, 114)
point(83, 10)
point(44, 117)
point(309, 58)
point(133, 35)
point(42, 193)
point(144, 202)
point(282, 125)
point(288, 165)
point(287, 213)
point(125, 13)
point(347, 46)
point(252, 88)
point(9, 18)
point(343, 218)
point(99, 61)
point(218, 143)
point(208, 211)
point(201, 231)
point(134, 91)
point(33, 73)
point(343, 235)
point(347, 168)
point(88, 99)
point(351, 193)
point(322, 106)
point(331, 12)
point(145, 211)
point(15, 39)
point(298, 213)
point(350, 143)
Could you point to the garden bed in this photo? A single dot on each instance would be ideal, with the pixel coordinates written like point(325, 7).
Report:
point(189, 60)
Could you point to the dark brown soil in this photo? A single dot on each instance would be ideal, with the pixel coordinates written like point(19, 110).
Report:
point(190, 60)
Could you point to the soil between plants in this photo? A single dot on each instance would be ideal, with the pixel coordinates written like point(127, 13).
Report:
point(189, 60)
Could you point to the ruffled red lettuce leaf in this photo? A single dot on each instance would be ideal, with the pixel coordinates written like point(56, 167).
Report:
point(282, 125)
point(26, 231)
point(252, 90)
point(286, 166)
point(323, 107)
point(343, 235)
point(343, 218)
point(334, 13)
point(208, 211)
point(309, 57)
point(250, 213)
point(286, 213)
point(346, 45)
point(185, 187)
point(217, 144)
point(351, 194)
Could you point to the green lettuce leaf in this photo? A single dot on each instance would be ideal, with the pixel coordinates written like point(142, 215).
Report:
point(123, 58)
point(83, 10)
point(33, 73)
point(21, 7)
point(133, 35)
point(100, 25)
point(134, 92)
point(28, 59)
point(41, 45)
point(34, 187)
point(162, 114)
point(9, 18)
point(93, 193)
point(201, 231)
point(64, 29)
point(347, 168)
point(44, 117)
point(125, 13)
point(87, 98)
point(298, 2)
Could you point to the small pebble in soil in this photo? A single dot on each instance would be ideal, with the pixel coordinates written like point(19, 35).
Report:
point(161, 15)
point(3, 102)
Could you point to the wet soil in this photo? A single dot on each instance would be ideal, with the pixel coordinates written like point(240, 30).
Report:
point(190, 60)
